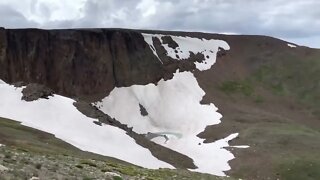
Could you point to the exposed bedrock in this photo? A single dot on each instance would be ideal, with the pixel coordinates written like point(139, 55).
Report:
point(79, 63)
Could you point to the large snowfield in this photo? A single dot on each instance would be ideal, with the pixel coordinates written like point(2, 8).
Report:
point(173, 110)
point(58, 116)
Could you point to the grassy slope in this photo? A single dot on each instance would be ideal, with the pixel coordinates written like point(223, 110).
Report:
point(299, 80)
point(278, 116)
point(270, 94)
point(294, 144)
point(29, 152)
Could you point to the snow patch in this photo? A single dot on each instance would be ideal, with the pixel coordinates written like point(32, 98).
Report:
point(174, 110)
point(292, 45)
point(1, 145)
point(148, 40)
point(240, 147)
point(172, 106)
point(58, 116)
point(208, 48)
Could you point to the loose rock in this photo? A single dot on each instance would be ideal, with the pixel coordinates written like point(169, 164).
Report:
point(36, 91)
point(3, 168)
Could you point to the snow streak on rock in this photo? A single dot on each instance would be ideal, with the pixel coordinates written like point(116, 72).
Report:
point(58, 116)
point(174, 110)
point(292, 45)
point(148, 39)
point(208, 48)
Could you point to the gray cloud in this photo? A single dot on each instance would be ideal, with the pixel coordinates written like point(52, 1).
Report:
point(11, 18)
point(297, 20)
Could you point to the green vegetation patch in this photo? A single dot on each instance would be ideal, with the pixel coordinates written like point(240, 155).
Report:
point(88, 162)
point(306, 169)
point(289, 151)
point(241, 86)
point(293, 77)
point(116, 178)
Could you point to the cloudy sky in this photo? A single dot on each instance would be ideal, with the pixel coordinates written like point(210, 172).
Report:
point(293, 20)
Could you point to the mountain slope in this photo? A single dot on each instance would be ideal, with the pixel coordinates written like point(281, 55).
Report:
point(265, 89)
point(269, 93)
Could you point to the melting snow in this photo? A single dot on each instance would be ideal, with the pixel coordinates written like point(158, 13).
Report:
point(59, 117)
point(174, 109)
point(292, 46)
point(148, 39)
point(240, 147)
point(172, 106)
point(208, 48)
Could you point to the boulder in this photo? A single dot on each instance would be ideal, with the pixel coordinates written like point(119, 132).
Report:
point(36, 91)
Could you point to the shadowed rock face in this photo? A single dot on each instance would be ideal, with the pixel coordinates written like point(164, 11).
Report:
point(86, 63)
point(78, 63)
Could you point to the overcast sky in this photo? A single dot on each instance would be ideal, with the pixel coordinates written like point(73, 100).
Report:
point(293, 20)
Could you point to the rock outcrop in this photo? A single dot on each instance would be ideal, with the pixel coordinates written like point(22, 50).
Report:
point(34, 92)
point(78, 63)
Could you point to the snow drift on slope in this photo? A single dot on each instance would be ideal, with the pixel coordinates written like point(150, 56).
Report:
point(58, 116)
point(173, 107)
point(292, 45)
point(208, 48)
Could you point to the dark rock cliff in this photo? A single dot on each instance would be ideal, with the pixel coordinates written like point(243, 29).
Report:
point(79, 63)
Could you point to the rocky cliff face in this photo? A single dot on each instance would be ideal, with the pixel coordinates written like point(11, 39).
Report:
point(81, 63)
